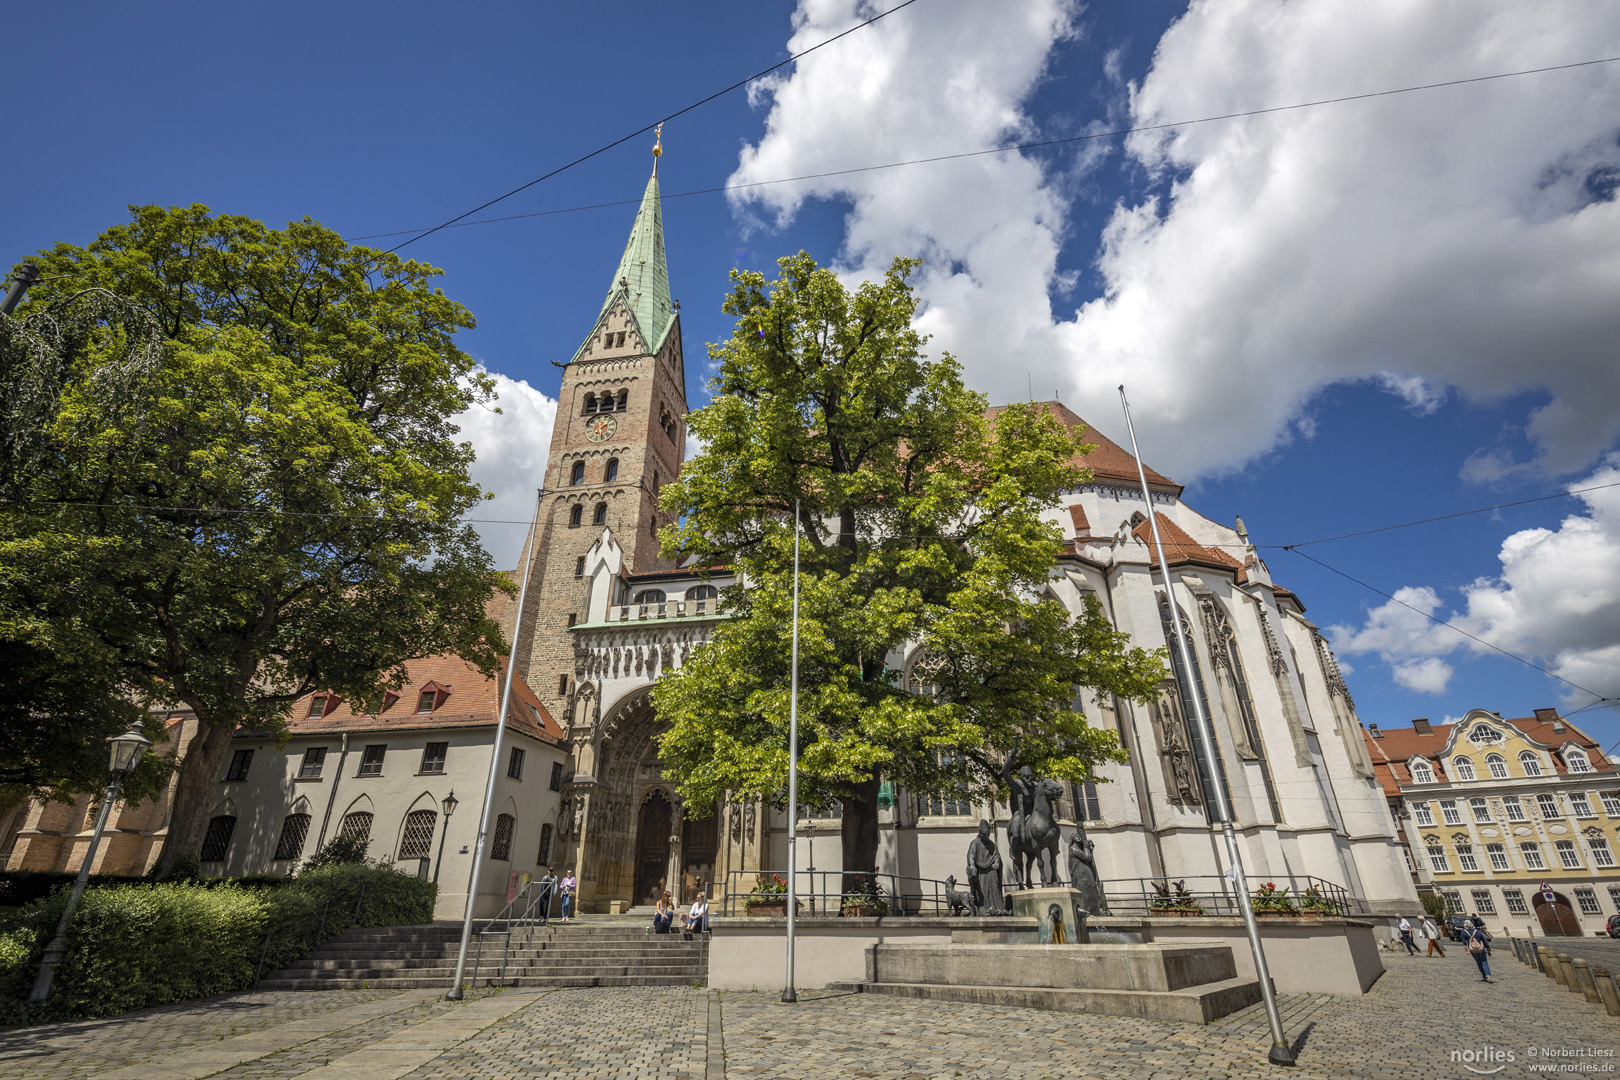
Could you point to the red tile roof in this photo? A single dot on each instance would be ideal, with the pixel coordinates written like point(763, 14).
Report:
point(472, 701)
point(1109, 461)
point(1180, 548)
point(1396, 746)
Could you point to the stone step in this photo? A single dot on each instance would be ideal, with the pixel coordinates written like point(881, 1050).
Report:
point(611, 948)
point(1194, 1005)
point(410, 982)
point(446, 973)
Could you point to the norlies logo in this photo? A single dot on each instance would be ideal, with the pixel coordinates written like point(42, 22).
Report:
point(1486, 1060)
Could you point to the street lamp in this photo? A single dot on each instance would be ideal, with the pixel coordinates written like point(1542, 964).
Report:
point(449, 805)
point(126, 751)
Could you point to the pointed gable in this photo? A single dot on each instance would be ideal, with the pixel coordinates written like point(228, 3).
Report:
point(641, 282)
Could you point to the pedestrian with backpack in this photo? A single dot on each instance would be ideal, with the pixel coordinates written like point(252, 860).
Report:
point(1478, 944)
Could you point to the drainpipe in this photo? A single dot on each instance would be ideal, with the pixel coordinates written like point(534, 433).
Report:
point(337, 778)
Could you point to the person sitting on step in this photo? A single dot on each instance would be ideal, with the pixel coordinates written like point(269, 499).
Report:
point(664, 914)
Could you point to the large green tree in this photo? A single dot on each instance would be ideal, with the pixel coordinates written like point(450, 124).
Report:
point(922, 522)
point(277, 507)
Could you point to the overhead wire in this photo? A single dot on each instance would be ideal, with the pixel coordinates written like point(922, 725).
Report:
point(459, 222)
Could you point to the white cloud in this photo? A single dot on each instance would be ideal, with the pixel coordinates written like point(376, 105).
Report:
point(1462, 238)
point(1398, 632)
point(1557, 598)
point(512, 446)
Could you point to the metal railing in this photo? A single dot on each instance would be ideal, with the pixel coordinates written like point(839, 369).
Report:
point(663, 609)
point(535, 903)
point(822, 892)
point(1216, 895)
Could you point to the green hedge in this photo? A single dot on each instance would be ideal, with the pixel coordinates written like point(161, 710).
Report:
point(133, 946)
point(19, 887)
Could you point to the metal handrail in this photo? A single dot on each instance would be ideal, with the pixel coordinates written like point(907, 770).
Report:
point(1216, 895)
point(504, 916)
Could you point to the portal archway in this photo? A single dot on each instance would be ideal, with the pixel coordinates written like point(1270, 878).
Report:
point(1557, 916)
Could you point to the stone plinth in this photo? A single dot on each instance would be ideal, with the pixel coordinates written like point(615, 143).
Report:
point(1068, 927)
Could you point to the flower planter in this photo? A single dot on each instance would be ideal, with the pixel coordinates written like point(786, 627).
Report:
point(860, 911)
point(768, 911)
point(1276, 914)
point(1174, 913)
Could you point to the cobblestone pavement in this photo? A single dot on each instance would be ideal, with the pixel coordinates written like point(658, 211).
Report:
point(1604, 951)
point(1407, 1027)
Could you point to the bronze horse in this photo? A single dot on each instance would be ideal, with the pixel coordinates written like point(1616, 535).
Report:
point(1040, 835)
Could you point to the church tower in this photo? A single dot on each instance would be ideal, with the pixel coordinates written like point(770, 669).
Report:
point(619, 436)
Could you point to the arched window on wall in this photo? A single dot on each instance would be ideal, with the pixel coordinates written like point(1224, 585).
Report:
point(1233, 686)
point(217, 841)
point(1576, 761)
point(1421, 773)
point(500, 846)
point(544, 857)
point(624, 400)
point(357, 825)
point(1530, 763)
point(702, 594)
point(590, 403)
point(576, 475)
point(611, 473)
point(650, 596)
point(290, 845)
point(599, 515)
point(575, 512)
point(416, 839)
point(1462, 768)
point(1498, 766)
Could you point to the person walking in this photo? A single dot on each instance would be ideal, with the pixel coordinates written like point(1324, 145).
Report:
point(568, 886)
point(664, 913)
point(1432, 933)
point(1478, 944)
point(1406, 937)
point(548, 889)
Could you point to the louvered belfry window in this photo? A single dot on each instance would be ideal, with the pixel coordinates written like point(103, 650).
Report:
point(417, 839)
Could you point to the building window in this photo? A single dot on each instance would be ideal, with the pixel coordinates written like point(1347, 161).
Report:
point(544, 857)
point(573, 618)
point(1498, 857)
point(433, 755)
point(611, 473)
point(514, 764)
point(1411, 867)
point(1587, 898)
point(217, 841)
point(371, 760)
point(1422, 814)
point(562, 685)
point(624, 395)
point(1453, 900)
point(1498, 766)
point(650, 596)
point(1466, 860)
point(1086, 807)
point(1532, 855)
point(1602, 857)
point(579, 566)
point(428, 701)
point(1482, 734)
point(1449, 811)
point(599, 515)
point(239, 765)
point(1576, 761)
point(575, 513)
point(556, 776)
point(1463, 768)
point(1483, 904)
point(1567, 854)
point(357, 825)
point(945, 805)
point(1514, 808)
point(294, 828)
point(1515, 902)
point(1611, 803)
point(314, 762)
point(1530, 763)
point(1581, 804)
point(1421, 773)
point(1614, 896)
point(703, 592)
point(416, 842)
point(1437, 859)
point(1481, 811)
point(576, 475)
point(501, 846)
point(1548, 805)
point(321, 704)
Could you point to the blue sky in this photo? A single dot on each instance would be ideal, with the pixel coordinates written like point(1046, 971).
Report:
point(1331, 320)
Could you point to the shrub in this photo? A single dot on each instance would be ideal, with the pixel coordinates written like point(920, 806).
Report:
point(133, 946)
point(339, 850)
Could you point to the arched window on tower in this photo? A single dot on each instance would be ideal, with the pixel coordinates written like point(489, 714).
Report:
point(599, 515)
point(612, 472)
point(577, 474)
point(624, 400)
point(590, 403)
point(574, 514)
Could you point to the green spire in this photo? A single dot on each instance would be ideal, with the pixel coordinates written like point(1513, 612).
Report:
point(642, 279)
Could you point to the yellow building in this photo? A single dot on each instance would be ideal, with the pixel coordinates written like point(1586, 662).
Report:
point(1515, 820)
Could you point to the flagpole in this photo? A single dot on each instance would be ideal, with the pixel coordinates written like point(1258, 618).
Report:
point(1280, 1053)
point(789, 993)
point(455, 993)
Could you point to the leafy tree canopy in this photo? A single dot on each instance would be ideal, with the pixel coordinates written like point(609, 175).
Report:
point(273, 507)
point(922, 526)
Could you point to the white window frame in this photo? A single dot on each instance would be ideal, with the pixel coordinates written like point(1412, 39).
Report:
point(1515, 808)
point(1465, 859)
point(1581, 802)
point(1611, 802)
point(1497, 764)
point(1614, 896)
point(1422, 814)
point(1530, 851)
point(1569, 855)
point(1463, 767)
point(1497, 854)
point(1450, 813)
point(1422, 773)
point(1602, 854)
point(1437, 859)
point(1576, 761)
point(1483, 902)
point(1543, 800)
point(1513, 900)
point(1530, 762)
point(1586, 899)
point(1481, 811)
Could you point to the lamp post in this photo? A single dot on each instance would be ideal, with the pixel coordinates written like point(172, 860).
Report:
point(449, 805)
point(126, 751)
point(810, 838)
point(790, 993)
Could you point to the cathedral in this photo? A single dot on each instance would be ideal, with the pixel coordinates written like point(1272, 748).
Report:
point(606, 616)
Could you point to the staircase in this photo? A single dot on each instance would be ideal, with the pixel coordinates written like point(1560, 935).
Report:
point(616, 953)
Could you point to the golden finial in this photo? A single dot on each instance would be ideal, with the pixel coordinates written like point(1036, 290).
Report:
point(658, 141)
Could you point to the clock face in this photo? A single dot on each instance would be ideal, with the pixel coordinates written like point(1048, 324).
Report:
point(601, 429)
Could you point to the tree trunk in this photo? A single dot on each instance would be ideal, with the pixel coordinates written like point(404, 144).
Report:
point(860, 834)
point(193, 795)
